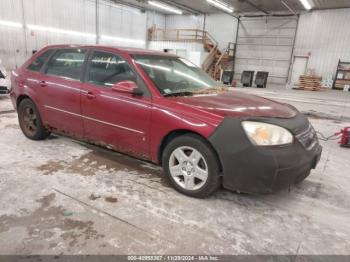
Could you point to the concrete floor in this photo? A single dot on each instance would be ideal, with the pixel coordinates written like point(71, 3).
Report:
point(60, 196)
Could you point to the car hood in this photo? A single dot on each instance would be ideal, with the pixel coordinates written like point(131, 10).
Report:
point(233, 103)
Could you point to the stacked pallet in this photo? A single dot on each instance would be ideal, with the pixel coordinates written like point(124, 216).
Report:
point(309, 82)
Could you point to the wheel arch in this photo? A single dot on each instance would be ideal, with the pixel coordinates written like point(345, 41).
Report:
point(21, 97)
point(180, 132)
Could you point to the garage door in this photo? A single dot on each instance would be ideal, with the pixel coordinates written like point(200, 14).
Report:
point(266, 44)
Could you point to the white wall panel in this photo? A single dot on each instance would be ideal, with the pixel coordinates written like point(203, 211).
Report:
point(155, 19)
point(184, 22)
point(325, 34)
point(12, 44)
point(175, 47)
point(122, 22)
point(115, 21)
point(76, 15)
point(222, 27)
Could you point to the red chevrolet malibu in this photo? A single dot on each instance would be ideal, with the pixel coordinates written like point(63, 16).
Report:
point(164, 109)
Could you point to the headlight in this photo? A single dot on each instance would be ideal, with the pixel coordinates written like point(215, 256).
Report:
point(263, 134)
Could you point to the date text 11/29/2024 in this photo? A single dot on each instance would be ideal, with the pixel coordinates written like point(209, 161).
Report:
point(173, 258)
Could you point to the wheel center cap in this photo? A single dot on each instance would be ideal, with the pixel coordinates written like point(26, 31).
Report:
point(187, 167)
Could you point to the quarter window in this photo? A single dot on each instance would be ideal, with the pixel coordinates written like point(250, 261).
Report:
point(67, 63)
point(37, 64)
point(106, 69)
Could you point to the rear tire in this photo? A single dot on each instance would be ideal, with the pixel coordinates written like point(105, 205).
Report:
point(30, 121)
point(191, 166)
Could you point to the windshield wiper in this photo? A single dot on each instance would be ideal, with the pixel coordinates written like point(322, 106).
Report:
point(182, 93)
point(211, 90)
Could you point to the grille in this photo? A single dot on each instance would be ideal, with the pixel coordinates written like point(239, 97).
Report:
point(3, 90)
point(308, 138)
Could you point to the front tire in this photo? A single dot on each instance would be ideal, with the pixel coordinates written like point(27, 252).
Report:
point(30, 121)
point(191, 166)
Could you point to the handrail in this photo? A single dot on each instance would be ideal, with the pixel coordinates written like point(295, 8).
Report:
point(190, 35)
point(221, 56)
point(195, 35)
point(230, 47)
point(210, 58)
point(211, 38)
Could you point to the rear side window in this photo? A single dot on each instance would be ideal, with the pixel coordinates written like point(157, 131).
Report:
point(67, 63)
point(37, 64)
point(106, 69)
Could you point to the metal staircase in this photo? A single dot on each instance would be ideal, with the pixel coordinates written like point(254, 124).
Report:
point(220, 60)
point(216, 62)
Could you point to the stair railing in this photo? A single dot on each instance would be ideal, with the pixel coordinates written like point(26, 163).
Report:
point(208, 61)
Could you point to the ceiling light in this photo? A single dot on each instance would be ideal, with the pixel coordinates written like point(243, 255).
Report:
point(306, 4)
point(82, 34)
point(10, 23)
point(58, 30)
point(221, 5)
point(165, 7)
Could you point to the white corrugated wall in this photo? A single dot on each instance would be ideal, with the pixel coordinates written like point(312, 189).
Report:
point(325, 34)
point(184, 22)
point(12, 44)
point(190, 50)
point(155, 19)
point(221, 26)
point(16, 44)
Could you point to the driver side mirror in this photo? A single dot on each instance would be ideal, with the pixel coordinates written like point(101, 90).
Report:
point(127, 87)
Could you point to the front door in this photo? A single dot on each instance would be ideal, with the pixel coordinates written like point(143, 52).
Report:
point(114, 119)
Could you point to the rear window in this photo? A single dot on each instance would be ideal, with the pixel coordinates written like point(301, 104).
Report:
point(67, 63)
point(37, 64)
point(107, 69)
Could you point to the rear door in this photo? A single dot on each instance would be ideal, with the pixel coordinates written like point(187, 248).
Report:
point(31, 77)
point(60, 90)
point(118, 120)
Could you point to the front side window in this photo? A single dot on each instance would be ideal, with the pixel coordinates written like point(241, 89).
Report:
point(67, 63)
point(106, 69)
point(37, 64)
point(173, 75)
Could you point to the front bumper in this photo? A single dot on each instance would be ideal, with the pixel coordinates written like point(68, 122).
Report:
point(256, 169)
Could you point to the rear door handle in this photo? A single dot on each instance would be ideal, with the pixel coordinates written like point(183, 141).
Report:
point(42, 83)
point(90, 95)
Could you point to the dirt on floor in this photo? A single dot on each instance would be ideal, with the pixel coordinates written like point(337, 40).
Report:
point(61, 196)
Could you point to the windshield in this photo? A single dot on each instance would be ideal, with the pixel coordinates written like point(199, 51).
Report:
point(173, 75)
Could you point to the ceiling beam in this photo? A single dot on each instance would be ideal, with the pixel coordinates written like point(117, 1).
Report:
point(255, 6)
point(288, 7)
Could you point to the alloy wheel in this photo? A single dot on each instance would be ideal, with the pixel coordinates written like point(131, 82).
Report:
point(29, 120)
point(188, 168)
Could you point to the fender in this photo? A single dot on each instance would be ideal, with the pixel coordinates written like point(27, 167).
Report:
point(165, 121)
point(23, 85)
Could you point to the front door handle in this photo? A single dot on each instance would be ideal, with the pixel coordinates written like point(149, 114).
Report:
point(42, 83)
point(90, 95)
